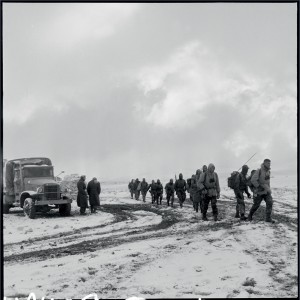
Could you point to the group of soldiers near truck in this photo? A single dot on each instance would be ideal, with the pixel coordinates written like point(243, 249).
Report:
point(204, 189)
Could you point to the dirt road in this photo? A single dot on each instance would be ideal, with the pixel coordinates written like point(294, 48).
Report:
point(131, 248)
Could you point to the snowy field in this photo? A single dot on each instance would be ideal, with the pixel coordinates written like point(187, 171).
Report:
point(130, 248)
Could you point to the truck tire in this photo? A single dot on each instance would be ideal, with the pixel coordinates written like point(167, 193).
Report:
point(6, 208)
point(29, 208)
point(65, 209)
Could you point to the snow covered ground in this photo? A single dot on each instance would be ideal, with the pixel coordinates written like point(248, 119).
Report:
point(130, 248)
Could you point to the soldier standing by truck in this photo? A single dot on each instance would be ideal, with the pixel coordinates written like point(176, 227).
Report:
point(82, 196)
point(94, 190)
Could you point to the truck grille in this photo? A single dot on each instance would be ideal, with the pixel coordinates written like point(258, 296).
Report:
point(52, 192)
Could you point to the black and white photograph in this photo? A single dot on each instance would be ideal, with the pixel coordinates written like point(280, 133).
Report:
point(149, 150)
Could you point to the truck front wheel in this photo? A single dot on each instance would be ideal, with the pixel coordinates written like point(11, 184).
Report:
point(65, 209)
point(6, 208)
point(29, 208)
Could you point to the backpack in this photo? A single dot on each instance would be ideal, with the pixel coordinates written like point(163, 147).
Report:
point(249, 183)
point(231, 179)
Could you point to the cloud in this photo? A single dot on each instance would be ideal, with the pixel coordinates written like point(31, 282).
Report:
point(79, 23)
point(193, 83)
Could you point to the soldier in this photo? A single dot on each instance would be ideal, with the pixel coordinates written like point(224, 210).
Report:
point(240, 186)
point(203, 194)
point(209, 181)
point(130, 187)
point(151, 189)
point(82, 195)
point(137, 189)
point(188, 187)
point(193, 192)
point(262, 190)
point(159, 191)
point(144, 189)
point(169, 188)
point(180, 188)
point(94, 190)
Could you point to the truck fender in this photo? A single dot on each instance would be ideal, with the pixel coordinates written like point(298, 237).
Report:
point(26, 194)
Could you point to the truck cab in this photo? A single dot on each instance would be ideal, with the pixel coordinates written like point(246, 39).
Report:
point(31, 185)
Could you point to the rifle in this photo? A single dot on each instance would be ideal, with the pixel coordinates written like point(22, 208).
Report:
point(247, 160)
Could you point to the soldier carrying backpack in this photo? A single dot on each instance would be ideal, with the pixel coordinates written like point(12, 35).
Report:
point(261, 183)
point(240, 186)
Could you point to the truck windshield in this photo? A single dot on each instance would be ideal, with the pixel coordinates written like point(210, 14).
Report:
point(37, 172)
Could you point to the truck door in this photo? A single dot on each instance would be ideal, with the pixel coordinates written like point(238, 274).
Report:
point(17, 184)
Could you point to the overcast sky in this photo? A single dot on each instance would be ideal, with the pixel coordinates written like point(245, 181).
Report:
point(132, 90)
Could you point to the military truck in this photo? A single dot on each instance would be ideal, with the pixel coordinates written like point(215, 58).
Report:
point(30, 184)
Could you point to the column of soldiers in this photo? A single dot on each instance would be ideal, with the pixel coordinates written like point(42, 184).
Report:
point(204, 189)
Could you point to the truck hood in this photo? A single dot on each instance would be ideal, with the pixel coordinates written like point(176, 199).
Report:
point(32, 184)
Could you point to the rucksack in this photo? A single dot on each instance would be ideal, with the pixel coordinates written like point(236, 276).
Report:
point(231, 179)
point(249, 183)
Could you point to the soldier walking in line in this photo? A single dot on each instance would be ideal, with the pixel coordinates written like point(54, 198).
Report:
point(188, 187)
point(209, 181)
point(169, 188)
point(159, 191)
point(240, 186)
point(193, 190)
point(262, 190)
point(203, 193)
point(144, 189)
point(94, 190)
point(151, 189)
point(137, 189)
point(82, 197)
point(130, 187)
point(180, 188)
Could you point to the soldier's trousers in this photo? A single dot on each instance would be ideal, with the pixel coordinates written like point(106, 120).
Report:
point(181, 196)
point(158, 197)
point(144, 196)
point(213, 201)
point(198, 201)
point(131, 194)
point(170, 196)
point(257, 201)
point(240, 206)
point(152, 197)
point(137, 195)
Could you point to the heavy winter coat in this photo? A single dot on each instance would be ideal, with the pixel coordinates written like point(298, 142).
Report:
point(144, 187)
point(261, 180)
point(94, 190)
point(180, 185)
point(82, 195)
point(210, 181)
point(240, 184)
point(137, 186)
point(159, 188)
point(169, 188)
